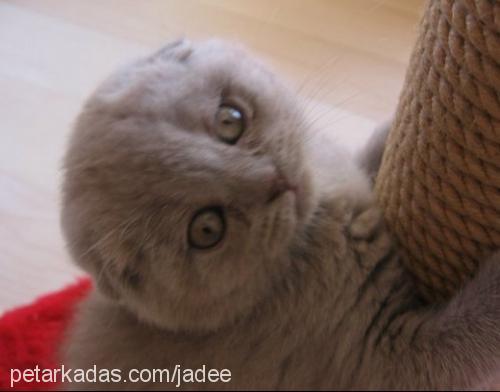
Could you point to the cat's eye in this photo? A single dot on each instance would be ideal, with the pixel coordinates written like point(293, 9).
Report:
point(207, 228)
point(230, 123)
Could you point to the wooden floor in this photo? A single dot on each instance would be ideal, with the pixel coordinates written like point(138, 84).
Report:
point(347, 57)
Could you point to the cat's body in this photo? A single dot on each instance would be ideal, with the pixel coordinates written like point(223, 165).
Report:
point(312, 332)
point(321, 301)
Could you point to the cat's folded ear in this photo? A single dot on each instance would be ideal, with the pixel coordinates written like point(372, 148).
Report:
point(176, 50)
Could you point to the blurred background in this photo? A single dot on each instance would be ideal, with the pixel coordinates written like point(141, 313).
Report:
point(347, 58)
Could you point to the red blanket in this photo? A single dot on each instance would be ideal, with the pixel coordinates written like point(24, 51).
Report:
point(31, 335)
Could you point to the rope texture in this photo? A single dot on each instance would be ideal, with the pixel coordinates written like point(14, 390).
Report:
point(439, 182)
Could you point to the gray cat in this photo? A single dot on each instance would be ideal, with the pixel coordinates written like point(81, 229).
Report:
point(220, 232)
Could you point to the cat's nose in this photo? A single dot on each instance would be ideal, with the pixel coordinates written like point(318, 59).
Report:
point(279, 185)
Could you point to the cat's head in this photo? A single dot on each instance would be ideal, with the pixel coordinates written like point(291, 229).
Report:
point(185, 182)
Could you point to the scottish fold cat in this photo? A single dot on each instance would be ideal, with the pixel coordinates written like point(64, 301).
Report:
point(220, 232)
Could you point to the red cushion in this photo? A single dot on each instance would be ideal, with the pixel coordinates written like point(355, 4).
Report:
point(31, 335)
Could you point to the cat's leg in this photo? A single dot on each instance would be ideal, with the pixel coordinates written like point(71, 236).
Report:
point(456, 346)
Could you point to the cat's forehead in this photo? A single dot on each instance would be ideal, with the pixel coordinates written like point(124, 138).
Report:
point(187, 82)
point(219, 57)
point(214, 65)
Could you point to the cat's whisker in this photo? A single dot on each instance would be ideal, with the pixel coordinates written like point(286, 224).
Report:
point(97, 243)
point(312, 122)
point(147, 228)
point(127, 225)
point(310, 105)
point(326, 89)
point(319, 76)
point(101, 273)
point(342, 102)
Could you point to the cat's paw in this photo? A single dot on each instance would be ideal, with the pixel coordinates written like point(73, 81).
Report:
point(370, 157)
point(477, 305)
point(487, 281)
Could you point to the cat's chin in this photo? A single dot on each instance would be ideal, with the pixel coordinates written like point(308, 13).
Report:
point(195, 321)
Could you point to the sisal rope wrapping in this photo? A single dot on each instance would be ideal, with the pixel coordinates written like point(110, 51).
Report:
point(439, 182)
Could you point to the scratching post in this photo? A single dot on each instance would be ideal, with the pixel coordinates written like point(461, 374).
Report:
point(439, 182)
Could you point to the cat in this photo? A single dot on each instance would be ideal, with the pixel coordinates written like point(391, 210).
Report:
point(220, 232)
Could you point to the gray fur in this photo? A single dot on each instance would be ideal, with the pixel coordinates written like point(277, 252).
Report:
point(304, 292)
